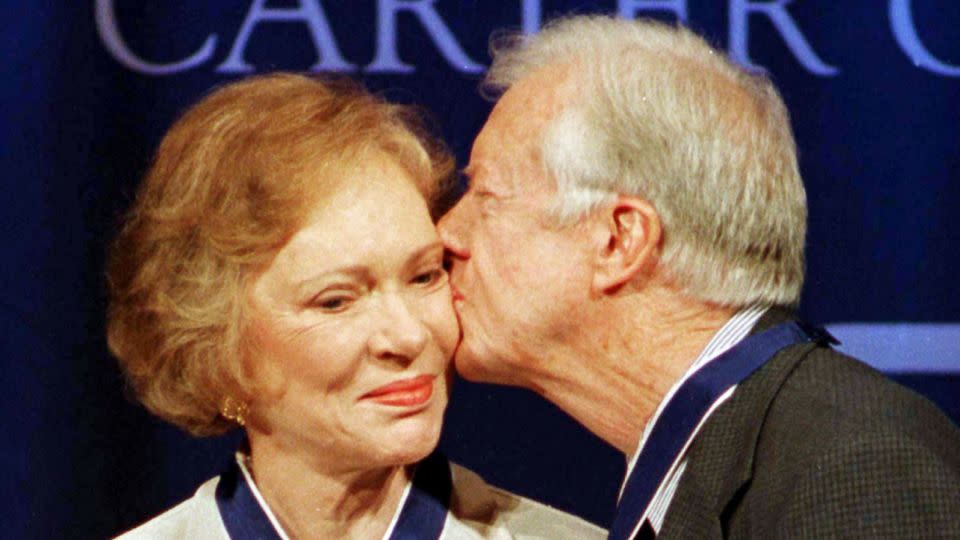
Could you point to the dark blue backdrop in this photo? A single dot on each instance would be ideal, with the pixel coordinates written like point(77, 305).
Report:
point(89, 87)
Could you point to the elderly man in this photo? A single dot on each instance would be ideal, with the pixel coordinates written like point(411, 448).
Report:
point(630, 247)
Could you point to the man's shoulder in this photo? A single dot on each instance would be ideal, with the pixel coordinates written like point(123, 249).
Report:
point(480, 510)
point(841, 441)
point(196, 517)
point(831, 402)
point(840, 393)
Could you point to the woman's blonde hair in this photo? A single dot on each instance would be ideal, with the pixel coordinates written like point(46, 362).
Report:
point(231, 181)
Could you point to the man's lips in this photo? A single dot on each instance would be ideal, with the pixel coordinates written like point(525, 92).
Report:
point(404, 393)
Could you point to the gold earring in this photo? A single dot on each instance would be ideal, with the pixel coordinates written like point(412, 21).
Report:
point(233, 410)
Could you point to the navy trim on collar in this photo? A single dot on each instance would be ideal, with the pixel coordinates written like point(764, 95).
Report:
point(422, 517)
point(425, 510)
point(239, 509)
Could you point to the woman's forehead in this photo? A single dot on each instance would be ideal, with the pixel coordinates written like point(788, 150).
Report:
point(376, 213)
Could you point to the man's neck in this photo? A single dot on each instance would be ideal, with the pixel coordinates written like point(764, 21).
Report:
point(616, 374)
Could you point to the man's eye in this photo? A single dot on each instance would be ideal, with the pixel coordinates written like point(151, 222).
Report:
point(485, 200)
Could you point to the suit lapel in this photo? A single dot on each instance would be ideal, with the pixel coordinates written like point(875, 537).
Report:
point(720, 461)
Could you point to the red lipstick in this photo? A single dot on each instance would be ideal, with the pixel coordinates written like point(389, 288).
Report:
point(405, 393)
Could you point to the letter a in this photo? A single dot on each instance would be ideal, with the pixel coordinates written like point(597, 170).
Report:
point(386, 59)
point(310, 13)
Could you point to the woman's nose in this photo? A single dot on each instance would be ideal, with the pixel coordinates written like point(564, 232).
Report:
point(401, 334)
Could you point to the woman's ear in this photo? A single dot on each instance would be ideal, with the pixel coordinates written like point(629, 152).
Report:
point(628, 235)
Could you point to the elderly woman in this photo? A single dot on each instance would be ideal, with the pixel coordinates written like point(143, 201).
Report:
point(280, 271)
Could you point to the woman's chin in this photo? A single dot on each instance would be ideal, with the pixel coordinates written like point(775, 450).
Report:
point(407, 440)
point(412, 440)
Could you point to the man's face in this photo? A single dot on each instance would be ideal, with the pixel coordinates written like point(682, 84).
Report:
point(515, 277)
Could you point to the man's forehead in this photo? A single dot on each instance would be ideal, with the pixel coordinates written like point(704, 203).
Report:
point(515, 126)
point(536, 98)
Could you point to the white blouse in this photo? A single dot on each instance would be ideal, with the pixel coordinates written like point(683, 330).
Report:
point(474, 510)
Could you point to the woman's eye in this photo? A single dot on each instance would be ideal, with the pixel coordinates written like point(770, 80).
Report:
point(333, 303)
point(429, 278)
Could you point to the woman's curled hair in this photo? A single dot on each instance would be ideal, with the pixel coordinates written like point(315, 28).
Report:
point(231, 181)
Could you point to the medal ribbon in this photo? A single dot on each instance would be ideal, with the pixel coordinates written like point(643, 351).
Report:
point(685, 412)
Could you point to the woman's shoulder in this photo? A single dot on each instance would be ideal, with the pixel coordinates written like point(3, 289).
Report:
point(479, 510)
point(196, 517)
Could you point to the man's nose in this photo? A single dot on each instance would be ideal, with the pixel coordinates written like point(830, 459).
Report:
point(451, 228)
point(400, 334)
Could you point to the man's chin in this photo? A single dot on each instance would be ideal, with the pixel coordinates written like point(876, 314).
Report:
point(466, 367)
point(478, 368)
point(469, 365)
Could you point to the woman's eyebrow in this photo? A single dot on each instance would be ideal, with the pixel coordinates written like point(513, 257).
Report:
point(421, 252)
point(355, 272)
point(362, 273)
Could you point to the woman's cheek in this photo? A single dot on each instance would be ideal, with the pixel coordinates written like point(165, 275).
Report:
point(442, 320)
point(331, 353)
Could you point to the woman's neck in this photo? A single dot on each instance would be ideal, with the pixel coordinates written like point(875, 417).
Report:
point(311, 502)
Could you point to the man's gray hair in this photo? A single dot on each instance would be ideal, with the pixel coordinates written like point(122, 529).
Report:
point(661, 115)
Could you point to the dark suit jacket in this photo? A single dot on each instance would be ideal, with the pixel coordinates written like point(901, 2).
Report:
point(818, 445)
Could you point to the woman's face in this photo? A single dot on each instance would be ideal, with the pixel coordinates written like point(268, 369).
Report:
point(353, 328)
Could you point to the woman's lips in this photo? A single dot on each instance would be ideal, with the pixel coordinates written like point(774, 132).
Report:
point(406, 393)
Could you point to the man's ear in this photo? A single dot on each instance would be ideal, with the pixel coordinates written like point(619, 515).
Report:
point(628, 235)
